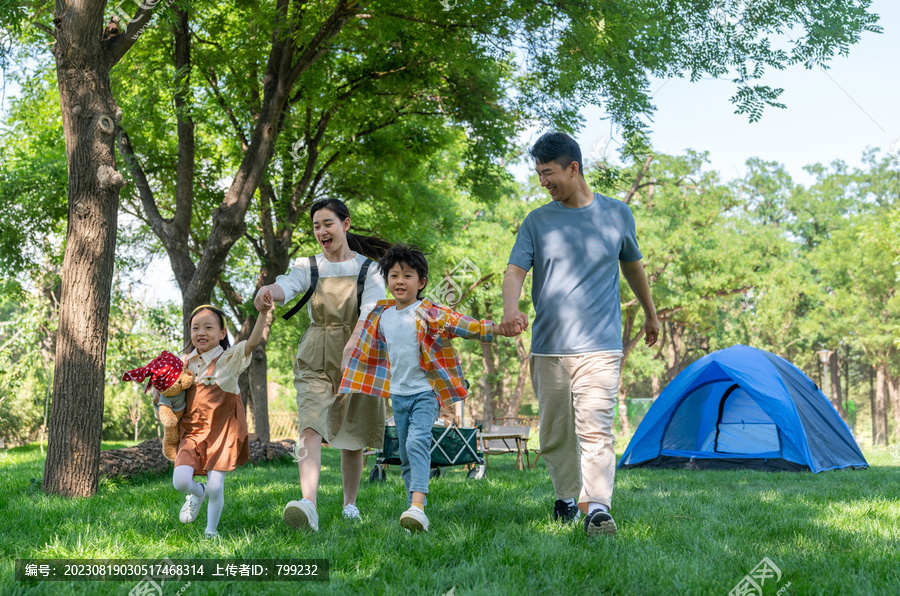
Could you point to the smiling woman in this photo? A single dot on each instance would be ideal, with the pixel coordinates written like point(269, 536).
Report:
point(342, 286)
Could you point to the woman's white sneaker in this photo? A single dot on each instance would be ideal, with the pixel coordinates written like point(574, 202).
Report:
point(301, 515)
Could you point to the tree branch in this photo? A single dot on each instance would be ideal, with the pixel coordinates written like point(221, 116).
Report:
point(184, 185)
point(637, 180)
point(214, 84)
point(148, 202)
point(118, 45)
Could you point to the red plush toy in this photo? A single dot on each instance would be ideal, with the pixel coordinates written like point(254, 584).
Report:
point(171, 378)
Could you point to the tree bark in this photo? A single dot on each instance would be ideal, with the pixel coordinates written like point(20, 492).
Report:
point(90, 118)
point(259, 386)
point(893, 386)
point(654, 386)
point(872, 405)
point(244, 388)
point(880, 413)
point(487, 388)
point(515, 402)
point(674, 350)
point(834, 372)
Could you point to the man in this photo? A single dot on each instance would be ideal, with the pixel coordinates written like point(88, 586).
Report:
point(576, 244)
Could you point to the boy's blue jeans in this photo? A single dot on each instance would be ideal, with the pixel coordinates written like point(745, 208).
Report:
point(414, 416)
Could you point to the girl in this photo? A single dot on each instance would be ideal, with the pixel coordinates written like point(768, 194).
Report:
point(214, 429)
point(337, 310)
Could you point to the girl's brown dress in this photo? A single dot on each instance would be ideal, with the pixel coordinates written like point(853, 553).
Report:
point(213, 428)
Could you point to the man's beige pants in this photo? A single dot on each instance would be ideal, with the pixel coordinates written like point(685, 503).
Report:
point(576, 400)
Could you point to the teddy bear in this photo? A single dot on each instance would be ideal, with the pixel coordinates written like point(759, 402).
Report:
point(170, 378)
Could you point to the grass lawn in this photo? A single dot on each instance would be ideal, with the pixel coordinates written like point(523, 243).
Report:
point(680, 532)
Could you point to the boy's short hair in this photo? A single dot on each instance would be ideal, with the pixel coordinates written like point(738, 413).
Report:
point(405, 254)
point(557, 147)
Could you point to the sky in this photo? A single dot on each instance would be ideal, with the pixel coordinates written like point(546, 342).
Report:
point(831, 114)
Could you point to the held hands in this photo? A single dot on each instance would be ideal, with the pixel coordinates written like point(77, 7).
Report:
point(264, 304)
point(512, 324)
point(263, 301)
point(264, 297)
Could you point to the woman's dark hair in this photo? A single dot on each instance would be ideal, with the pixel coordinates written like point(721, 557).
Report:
point(370, 246)
point(409, 255)
point(225, 343)
point(557, 147)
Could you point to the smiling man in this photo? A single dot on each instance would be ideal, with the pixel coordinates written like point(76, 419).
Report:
point(576, 244)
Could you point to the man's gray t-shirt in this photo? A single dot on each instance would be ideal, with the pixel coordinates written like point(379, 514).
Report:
point(575, 254)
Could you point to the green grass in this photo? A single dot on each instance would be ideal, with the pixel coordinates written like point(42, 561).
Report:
point(680, 532)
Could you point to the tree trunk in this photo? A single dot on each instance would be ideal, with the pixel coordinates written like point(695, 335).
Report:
point(260, 392)
point(847, 386)
point(244, 388)
point(487, 387)
point(654, 386)
point(893, 386)
point(90, 118)
point(834, 372)
point(674, 350)
point(872, 405)
point(880, 412)
point(516, 398)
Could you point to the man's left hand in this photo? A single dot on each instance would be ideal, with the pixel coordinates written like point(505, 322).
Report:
point(651, 330)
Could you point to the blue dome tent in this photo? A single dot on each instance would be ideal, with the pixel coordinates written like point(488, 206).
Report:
point(742, 408)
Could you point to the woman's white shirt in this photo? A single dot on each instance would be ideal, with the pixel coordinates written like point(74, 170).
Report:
point(297, 280)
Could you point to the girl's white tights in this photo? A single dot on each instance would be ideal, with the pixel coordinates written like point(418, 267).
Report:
point(183, 481)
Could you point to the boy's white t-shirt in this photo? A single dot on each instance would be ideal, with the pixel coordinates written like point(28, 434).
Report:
point(399, 329)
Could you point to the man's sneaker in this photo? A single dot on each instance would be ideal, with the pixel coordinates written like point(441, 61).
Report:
point(301, 515)
point(351, 511)
point(414, 520)
point(564, 512)
point(211, 534)
point(599, 522)
point(191, 508)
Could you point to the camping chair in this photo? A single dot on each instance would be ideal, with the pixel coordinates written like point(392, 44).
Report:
point(508, 438)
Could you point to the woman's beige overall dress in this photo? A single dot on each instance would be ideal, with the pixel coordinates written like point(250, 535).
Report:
point(345, 420)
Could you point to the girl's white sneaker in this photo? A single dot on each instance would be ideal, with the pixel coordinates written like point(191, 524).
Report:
point(191, 508)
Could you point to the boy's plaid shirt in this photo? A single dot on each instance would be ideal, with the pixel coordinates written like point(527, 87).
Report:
point(436, 325)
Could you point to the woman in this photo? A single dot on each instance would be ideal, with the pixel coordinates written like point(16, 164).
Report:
point(349, 422)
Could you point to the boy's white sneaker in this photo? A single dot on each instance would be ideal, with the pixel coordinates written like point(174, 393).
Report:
point(301, 515)
point(191, 508)
point(414, 520)
point(351, 511)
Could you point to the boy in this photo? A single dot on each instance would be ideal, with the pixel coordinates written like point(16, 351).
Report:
point(404, 353)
